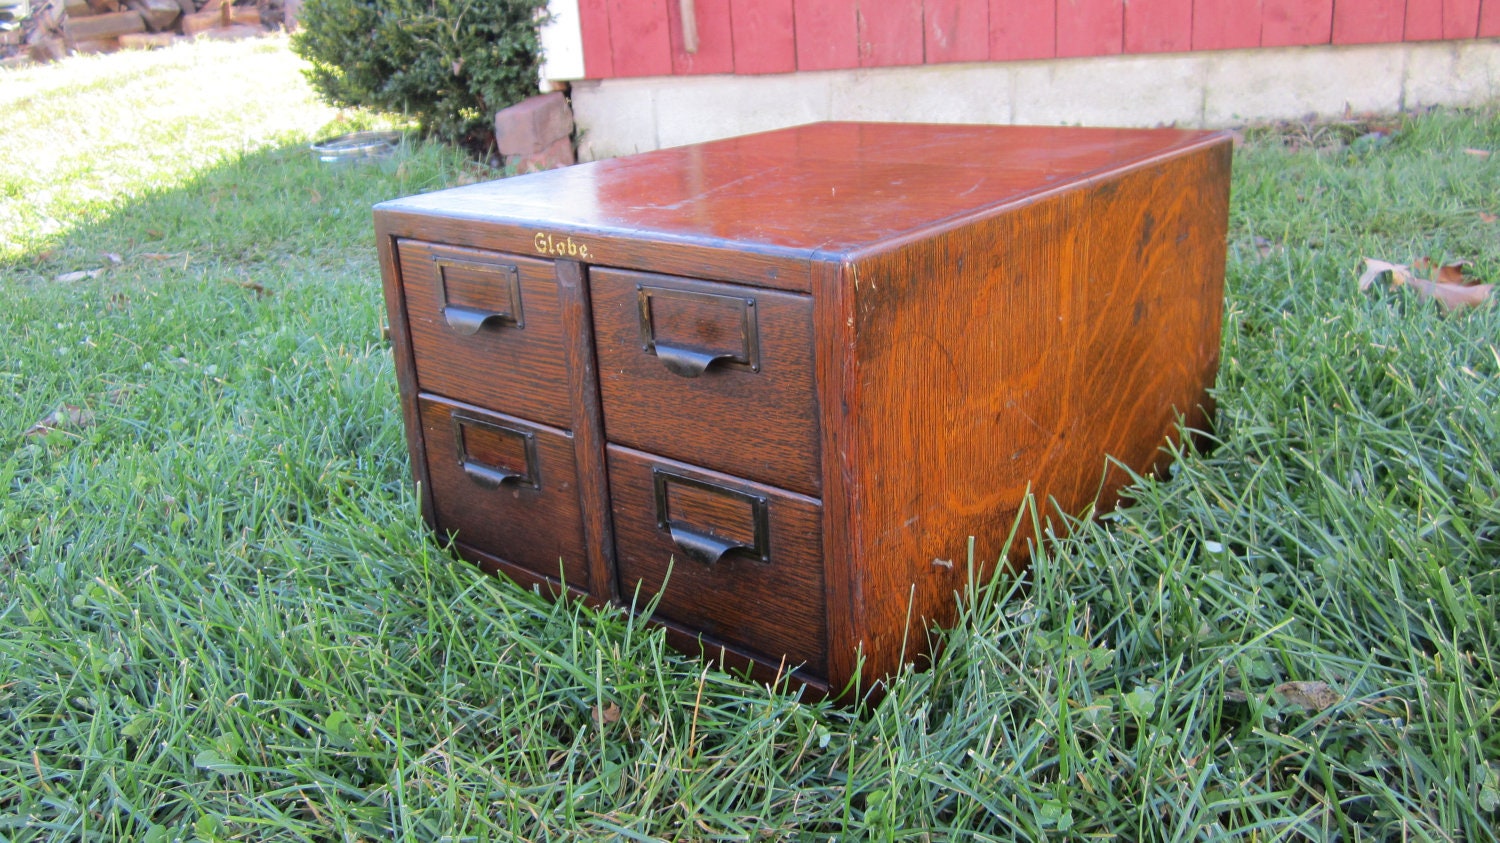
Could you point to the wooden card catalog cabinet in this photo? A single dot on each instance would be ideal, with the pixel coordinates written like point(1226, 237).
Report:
point(781, 379)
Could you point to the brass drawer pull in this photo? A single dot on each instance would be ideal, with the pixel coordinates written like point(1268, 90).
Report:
point(703, 547)
point(492, 478)
point(687, 362)
point(472, 276)
point(503, 444)
point(728, 320)
point(700, 500)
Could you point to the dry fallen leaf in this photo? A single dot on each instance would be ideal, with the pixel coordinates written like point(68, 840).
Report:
point(1478, 153)
point(1453, 273)
point(1448, 285)
point(608, 714)
point(114, 258)
point(70, 277)
point(1485, 216)
point(1453, 296)
point(63, 417)
point(259, 289)
point(1312, 696)
point(1374, 269)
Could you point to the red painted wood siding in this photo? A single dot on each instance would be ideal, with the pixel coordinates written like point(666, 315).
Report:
point(1024, 29)
point(1158, 26)
point(1090, 27)
point(1226, 24)
point(647, 37)
point(956, 30)
point(1489, 19)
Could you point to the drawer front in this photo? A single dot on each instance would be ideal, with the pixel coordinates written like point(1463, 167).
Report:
point(505, 486)
point(715, 374)
point(486, 327)
point(745, 559)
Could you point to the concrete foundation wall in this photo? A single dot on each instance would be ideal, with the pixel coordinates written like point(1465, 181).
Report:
point(1205, 89)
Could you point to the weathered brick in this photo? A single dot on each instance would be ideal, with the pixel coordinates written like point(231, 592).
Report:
point(533, 125)
point(557, 154)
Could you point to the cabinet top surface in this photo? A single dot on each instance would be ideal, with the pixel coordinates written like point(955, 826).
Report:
point(832, 187)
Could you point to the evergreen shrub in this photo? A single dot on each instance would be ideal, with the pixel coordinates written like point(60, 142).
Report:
point(449, 64)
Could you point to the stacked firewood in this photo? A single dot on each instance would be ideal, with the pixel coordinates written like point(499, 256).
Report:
point(56, 28)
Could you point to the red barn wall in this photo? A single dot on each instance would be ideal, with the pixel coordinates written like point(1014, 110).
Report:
point(647, 38)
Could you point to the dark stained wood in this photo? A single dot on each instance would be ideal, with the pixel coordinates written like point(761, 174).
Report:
point(502, 366)
point(536, 523)
point(1036, 314)
point(406, 370)
point(588, 427)
point(757, 424)
point(1069, 333)
point(771, 608)
point(833, 322)
point(740, 195)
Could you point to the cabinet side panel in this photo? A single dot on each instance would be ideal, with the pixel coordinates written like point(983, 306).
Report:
point(1023, 352)
point(960, 349)
point(406, 371)
point(834, 365)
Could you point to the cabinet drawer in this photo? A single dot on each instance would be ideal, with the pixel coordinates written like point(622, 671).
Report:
point(715, 374)
point(486, 327)
point(745, 559)
point(506, 487)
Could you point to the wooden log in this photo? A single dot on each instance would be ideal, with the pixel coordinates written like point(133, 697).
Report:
point(188, 7)
point(111, 25)
point(77, 8)
point(48, 49)
point(232, 33)
point(201, 22)
point(147, 40)
point(244, 15)
point(96, 45)
point(160, 14)
point(104, 7)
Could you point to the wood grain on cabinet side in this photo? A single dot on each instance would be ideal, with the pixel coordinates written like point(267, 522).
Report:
point(1021, 352)
point(406, 369)
point(833, 365)
point(588, 429)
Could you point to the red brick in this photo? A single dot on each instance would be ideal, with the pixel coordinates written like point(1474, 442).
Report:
point(534, 125)
point(557, 154)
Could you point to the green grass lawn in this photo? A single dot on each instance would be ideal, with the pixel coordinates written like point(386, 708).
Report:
point(220, 618)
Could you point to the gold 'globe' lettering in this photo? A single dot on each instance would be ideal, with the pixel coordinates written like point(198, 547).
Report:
point(546, 244)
